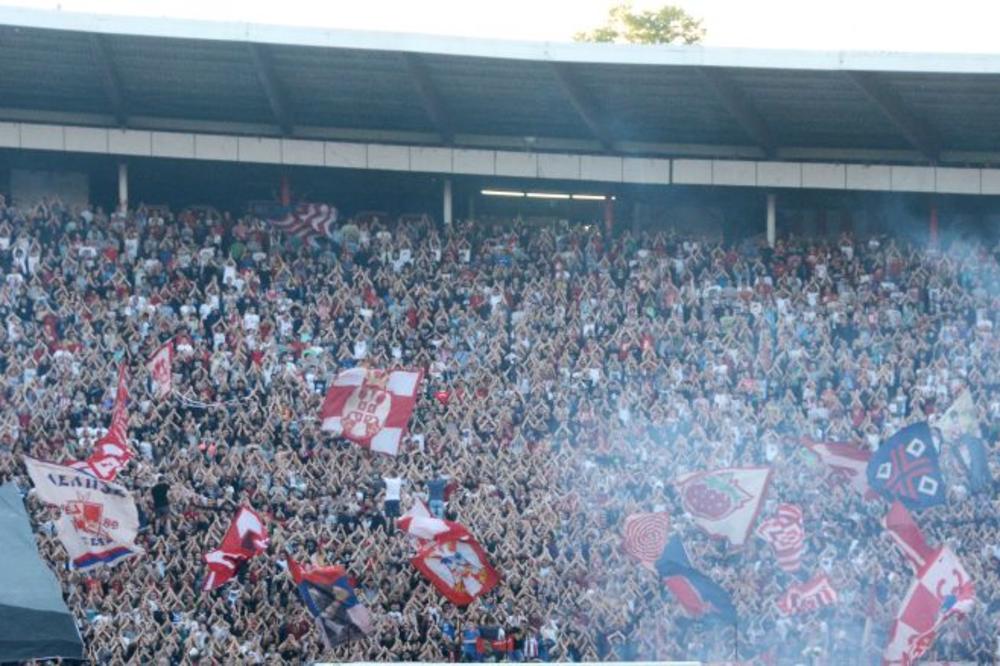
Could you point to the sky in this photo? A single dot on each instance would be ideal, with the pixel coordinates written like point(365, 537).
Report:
point(882, 25)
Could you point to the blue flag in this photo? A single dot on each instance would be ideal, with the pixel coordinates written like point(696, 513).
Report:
point(697, 593)
point(977, 468)
point(906, 468)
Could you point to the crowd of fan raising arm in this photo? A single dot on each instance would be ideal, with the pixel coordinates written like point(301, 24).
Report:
point(571, 375)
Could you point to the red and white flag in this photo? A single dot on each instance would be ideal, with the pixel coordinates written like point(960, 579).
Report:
point(942, 590)
point(246, 537)
point(845, 463)
point(646, 537)
point(98, 523)
point(160, 369)
point(909, 539)
point(785, 532)
point(111, 452)
point(450, 558)
point(371, 407)
point(725, 502)
point(809, 596)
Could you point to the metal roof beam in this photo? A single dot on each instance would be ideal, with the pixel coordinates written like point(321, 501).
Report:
point(740, 108)
point(265, 75)
point(581, 104)
point(916, 131)
point(429, 97)
point(109, 77)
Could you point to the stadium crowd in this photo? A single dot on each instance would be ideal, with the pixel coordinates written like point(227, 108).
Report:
point(570, 375)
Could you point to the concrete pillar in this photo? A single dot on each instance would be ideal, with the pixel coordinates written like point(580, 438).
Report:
point(772, 231)
point(932, 228)
point(123, 186)
point(447, 212)
point(286, 190)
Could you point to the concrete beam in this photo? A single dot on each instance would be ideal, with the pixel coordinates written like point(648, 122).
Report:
point(571, 88)
point(110, 81)
point(268, 82)
point(740, 108)
point(915, 130)
point(429, 97)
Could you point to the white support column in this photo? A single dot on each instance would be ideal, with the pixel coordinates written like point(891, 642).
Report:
point(123, 186)
point(447, 215)
point(771, 221)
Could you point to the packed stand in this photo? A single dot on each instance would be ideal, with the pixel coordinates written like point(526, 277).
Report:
point(570, 375)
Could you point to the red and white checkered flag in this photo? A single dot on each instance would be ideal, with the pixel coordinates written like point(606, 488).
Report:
point(371, 407)
point(786, 534)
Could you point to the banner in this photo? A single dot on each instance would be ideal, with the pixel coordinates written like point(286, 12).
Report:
point(111, 452)
point(450, 558)
point(725, 502)
point(99, 520)
point(160, 370)
point(909, 539)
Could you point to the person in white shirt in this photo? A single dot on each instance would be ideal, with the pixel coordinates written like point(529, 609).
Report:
point(393, 488)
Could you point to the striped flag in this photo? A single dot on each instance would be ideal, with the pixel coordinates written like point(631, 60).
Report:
point(809, 596)
point(307, 220)
point(909, 539)
point(786, 534)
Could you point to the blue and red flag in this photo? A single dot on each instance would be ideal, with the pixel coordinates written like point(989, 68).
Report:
point(906, 468)
point(700, 596)
point(328, 593)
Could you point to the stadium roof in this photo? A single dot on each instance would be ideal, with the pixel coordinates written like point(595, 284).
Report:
point(171, 74)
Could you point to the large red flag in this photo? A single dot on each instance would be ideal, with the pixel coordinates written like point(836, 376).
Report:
point(451, 559)
point(942, 590)
point(371, 407)
point(245, 538)
point(111, 452)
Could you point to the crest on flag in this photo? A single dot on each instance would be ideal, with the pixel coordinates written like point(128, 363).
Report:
point(906, 468)
point(724, 502)
point(450, 558)
point(371, 407)
point(99, 521)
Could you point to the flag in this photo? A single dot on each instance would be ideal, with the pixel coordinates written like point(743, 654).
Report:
point(245, 538)
point(306, 220)
point(977, 468)
point(451, 559)
point(111, 452)
point(786, 534)
point(698, 595)
point(646, 537)
point(329, 595)
point(159, 366)
point(909, 539)
point(371, 407)
point(906, 468)
point(845, 463)
point(942, 590)
point(98, 522)
point(806, 597)
point(959, 419)
point(725, 502)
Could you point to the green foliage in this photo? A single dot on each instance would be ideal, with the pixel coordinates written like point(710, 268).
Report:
point(667, 25)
